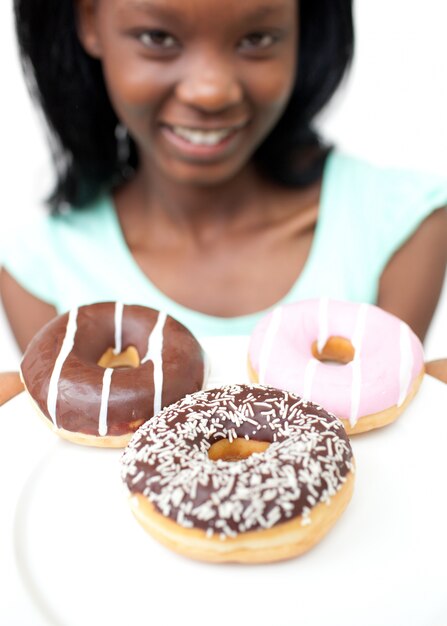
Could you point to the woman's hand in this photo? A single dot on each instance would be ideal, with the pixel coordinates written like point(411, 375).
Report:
point(10, 386)
point(437, 369)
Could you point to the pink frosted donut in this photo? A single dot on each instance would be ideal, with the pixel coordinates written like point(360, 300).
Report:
point(355, 360)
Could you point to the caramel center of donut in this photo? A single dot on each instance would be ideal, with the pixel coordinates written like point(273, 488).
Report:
point(236, 450)
point(128, 358)
point(337, 350)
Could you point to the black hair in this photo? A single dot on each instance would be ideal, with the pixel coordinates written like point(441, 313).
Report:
point(69, 86)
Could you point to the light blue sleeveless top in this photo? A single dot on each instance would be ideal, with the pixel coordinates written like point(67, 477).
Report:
point(366, 213)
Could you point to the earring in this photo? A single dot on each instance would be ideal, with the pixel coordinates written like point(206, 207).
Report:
point(123, 151)
point(122, 144)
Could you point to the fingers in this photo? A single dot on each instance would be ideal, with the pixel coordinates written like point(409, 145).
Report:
point(10, 386)
point(437, 369)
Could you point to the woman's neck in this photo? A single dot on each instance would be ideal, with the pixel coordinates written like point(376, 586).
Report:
point(154, 211)
point(192, 207)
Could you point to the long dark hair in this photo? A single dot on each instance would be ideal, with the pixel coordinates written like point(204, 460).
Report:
point(69, 86)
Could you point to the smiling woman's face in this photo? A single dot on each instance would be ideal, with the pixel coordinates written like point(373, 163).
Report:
point(198, 83)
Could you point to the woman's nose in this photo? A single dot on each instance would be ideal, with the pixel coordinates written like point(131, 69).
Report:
point(209, 86)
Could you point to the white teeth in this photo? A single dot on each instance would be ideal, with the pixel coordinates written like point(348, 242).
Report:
point(202, 137)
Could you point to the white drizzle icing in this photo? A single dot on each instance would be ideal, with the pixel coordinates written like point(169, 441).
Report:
point(273, 328)
point(119, 308)
point(406, 362)
point(309, 376)
point(356, 363)
point(107, 378)
point(323, 323)
point(155, 354)
point(66, 348)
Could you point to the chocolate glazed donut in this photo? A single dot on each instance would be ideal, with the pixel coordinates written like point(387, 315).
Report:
point(98, 372)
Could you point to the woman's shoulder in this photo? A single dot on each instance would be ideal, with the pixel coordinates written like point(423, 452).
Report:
point(47, 244)
point(357, 177)
point(72, 220)
point(376, 208)
point(369, 192)
point(69, 224)
point(53, 251)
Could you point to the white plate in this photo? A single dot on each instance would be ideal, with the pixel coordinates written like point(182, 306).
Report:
point(73, 555)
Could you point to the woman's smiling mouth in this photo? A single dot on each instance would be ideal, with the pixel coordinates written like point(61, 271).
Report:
point(193, 141)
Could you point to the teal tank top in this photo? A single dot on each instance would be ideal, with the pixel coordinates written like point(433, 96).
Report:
point(366, 213)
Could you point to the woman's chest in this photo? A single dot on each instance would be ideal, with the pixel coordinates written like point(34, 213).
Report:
point(230, 277)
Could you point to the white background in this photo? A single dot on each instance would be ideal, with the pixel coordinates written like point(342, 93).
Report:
point(392, 110)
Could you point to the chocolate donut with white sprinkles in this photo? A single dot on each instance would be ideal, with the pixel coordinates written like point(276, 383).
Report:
point(241, 473)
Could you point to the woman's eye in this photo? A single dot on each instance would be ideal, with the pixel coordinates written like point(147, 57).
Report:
point(157, 39)
point(257, 41)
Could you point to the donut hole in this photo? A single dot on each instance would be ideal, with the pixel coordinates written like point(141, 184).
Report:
point(236, 450)
point(126, 359)
point(336, 350)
